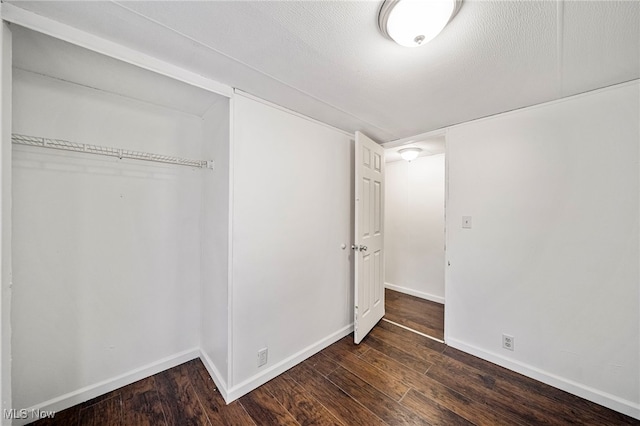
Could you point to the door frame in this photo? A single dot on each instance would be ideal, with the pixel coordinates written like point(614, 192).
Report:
point(399, 143)
point(5, 215)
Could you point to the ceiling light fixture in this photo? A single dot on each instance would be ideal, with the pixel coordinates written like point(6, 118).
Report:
point(410, 153)
point(413, 23)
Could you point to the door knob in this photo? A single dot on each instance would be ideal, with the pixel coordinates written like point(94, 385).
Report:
point(363, 248)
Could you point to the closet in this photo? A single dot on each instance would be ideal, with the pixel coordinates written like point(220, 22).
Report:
point(120, 201)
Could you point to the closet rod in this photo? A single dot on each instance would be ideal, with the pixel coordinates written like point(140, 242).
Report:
point(108, 151)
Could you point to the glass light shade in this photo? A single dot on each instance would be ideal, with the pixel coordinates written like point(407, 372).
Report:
point(409, 153)
point(413, 23)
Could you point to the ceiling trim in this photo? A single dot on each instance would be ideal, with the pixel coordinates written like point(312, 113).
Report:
point(206, 46)
point(443, 132)
point(417, 138)
point(634, 82)
point(292, 112)
point(32, 21)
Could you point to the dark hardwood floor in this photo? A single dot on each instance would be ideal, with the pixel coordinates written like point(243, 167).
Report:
point(394, 377)
point(418, 314)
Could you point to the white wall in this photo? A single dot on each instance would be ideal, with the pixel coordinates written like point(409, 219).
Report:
point(215, 242)
point(414, 227)
point(5, 218)
point(553, 255)
point(292, 291)
point(106, 252)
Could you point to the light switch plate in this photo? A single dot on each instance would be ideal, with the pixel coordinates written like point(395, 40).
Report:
point(466, 222)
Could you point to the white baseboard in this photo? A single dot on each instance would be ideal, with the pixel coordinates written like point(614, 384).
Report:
point(215, 375)
point(70, 399)
point(84, 394)
point(88, 392)
point(613, 402)
point(416, 293)
point(259, 379)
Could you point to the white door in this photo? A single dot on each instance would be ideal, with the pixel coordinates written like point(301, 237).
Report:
point(369, 232)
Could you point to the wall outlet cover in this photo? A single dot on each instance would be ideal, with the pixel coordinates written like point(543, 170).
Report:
point(508, 342)
point(262, 357)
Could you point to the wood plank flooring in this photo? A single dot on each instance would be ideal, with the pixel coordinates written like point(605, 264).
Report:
point(418, 314)
point(394, 377)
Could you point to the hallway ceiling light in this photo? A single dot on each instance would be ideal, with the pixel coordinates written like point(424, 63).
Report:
point(410, 153)
point(412, 23)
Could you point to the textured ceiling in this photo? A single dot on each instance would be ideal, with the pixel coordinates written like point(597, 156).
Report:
point(327, 59)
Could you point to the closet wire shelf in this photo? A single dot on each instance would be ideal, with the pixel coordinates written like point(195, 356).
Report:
point(108, 151)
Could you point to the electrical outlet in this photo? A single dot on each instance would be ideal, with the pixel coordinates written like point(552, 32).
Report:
point(508, 342)
point(262, 357)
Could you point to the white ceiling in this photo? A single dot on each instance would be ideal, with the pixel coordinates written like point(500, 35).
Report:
point(328, 60)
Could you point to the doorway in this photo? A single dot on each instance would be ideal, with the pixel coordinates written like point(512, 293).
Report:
point(415, 237)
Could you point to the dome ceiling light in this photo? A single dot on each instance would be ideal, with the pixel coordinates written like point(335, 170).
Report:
point(410, 153)
point(412, 23)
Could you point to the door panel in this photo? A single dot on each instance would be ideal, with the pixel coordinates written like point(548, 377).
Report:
point(369, 236)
